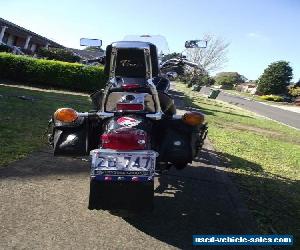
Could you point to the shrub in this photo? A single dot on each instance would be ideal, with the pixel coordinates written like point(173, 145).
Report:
point(72, 76)
point(58, 54)
point(5, 48)
point(295, 91)
point(274, 98)
point(229, 79)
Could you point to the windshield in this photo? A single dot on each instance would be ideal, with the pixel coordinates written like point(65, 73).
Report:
point(159, 41)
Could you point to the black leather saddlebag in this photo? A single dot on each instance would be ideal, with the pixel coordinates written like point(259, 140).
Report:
point(76, 139)
point(180, 142)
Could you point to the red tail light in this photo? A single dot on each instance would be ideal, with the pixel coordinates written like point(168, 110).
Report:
point(129, 107)
point(125, 139)
point(130, 86)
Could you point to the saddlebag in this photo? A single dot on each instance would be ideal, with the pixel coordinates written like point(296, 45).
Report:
point(76, 139)
point(181, 142)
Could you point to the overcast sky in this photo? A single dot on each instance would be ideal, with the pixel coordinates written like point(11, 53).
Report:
point(260, 31)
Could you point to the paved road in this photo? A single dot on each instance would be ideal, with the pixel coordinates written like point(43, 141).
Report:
point(287, 117)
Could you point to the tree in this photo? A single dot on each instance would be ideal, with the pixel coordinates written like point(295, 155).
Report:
point(170, 56)
point(58, 54)
point(229, 79)
point(275, 78)
point(94, 48)
point(211, 58)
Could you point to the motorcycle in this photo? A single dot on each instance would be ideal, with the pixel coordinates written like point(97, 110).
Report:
point(133, 134)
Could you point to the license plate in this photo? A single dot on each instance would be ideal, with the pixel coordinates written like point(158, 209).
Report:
point(120, 163)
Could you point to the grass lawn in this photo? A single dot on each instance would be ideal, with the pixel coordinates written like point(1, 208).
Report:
point(245, 94)
point(23, 122)
point(256, 97)
point(262, 157)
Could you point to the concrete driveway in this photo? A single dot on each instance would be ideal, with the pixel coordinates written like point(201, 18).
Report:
point(44, 205)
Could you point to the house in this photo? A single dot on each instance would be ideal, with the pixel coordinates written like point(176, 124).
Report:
point(14, 35)
point(248, 87)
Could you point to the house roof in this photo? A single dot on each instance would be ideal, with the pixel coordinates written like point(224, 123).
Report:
point(86, 54)
point(25, 32)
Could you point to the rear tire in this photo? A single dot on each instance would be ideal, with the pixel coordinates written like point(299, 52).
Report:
point(180, 165)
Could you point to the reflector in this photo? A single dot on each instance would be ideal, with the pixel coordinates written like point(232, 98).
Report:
point(129, 86)
point(130, 107)
point(125, 139)
point(193, 118)
point(65, 115)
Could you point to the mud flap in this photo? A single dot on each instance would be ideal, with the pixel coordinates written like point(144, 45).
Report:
point(134, 196)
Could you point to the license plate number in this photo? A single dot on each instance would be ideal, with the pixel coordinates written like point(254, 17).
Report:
point(112, 162)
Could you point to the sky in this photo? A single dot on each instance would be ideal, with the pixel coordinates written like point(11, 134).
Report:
point(259, 31)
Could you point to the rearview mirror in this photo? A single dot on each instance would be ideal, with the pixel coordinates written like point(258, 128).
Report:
point(195, 44)
point(90, 42)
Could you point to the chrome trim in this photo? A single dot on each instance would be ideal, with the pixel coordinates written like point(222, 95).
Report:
point(148, 63)
point(154, 93)
point(114, 52)
point(177, 117)
point(83, 114)
point(156, 116)
point(103, 114)
point(112, 81)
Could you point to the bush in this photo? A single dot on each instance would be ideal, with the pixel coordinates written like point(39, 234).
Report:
point(72, 76)
point(229, 79)
point(197, 78)
point(58, 54)
point(274, 98)
point(5, 48)
point(295, 91)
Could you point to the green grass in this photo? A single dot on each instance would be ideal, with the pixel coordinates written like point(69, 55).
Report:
point(23, 123)
point(254, 97)
point(262, 157)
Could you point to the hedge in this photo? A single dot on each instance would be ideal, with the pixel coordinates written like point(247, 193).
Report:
point(274, 98)
point(48, 73)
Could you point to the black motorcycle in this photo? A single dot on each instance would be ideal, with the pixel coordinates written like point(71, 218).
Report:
point(133, 133)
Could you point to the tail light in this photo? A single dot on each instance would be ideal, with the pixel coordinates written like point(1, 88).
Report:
point(125, 139)
point(130, 106)
point(130, 86)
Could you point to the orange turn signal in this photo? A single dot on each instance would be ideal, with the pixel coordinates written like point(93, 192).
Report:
point(193, 118)
point(65, 115)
